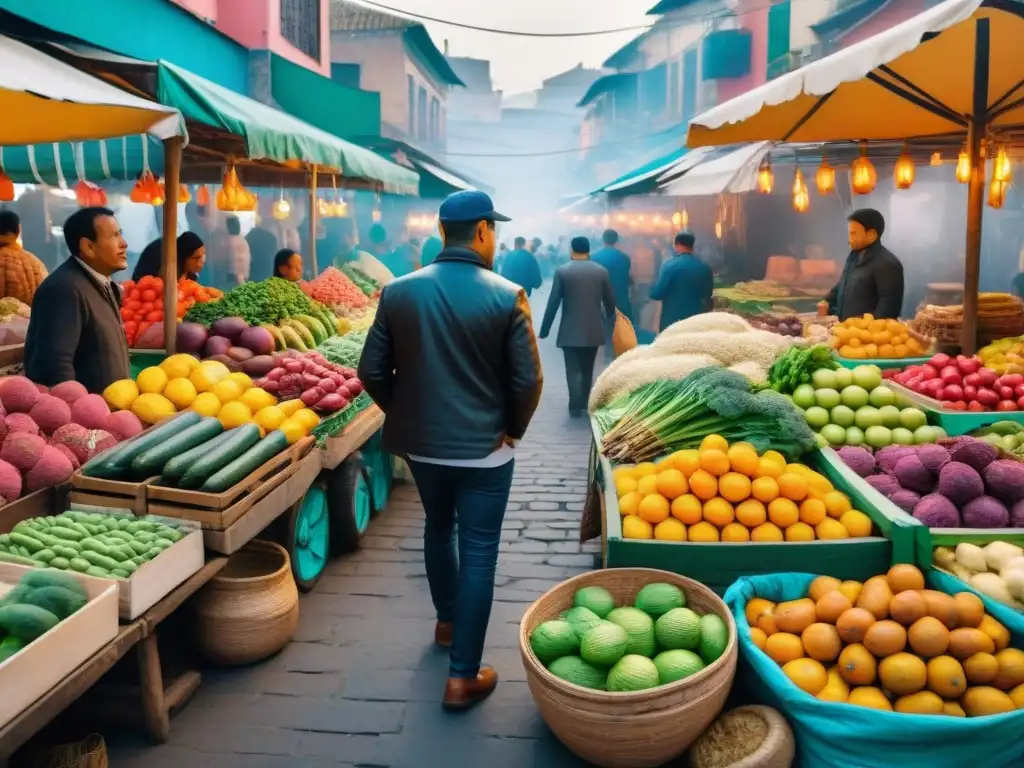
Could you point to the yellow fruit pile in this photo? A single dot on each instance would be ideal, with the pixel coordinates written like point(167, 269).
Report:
point(182, 382)
point(891, 644)
point(730, 493)
point(1004, 356)
point(865, 338)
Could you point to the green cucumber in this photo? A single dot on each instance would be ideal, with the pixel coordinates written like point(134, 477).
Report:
point(45, 555)
point(115, 463)
point(247, 463)
point(94, 545)
point(98, 572)
point(67, 534)
point(79, 564)
point(242, 439)
point(6, 557)
point(151, 461)
point(176, 468)
point(60, 562)
point(65, 550)
point(27, 542)
point(94, 558)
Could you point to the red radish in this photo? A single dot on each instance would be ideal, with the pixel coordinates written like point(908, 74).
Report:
point(970, 393)
point(939, 360)
point(293, 366)
point(332, 402)
point(327, 386)
point(1005, 392)
point(310, 397)
point(968, 364)
point(987, 397)
point(309, 380)
point(988, 376)
point(925, 371)
point(975, 406)
point(271, 386)
point(974, 379)
point(1006, 405)
point(952, 392)
point(1012, 379)
point(950, 375)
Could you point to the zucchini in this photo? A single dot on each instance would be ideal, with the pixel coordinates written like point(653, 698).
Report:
point(67, 534)
point(27, 542)
point(115, 463)
point(241, 440)
point(176, 468)
point(60, 562)
point(94, 558)
point(247, 463)
point(17, 559)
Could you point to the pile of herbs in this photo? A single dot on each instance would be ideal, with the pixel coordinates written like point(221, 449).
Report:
point(796, 365)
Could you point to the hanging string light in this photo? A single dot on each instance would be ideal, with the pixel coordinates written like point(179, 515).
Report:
point(718, 229)
point(904, 171)
point(765, 177)
point(1001, 168)
point(825, 178)
point(801, 199)
point(376, 214)
point(203, 196)
point(997, 193)
point(681, 219)
point(281, 209)
point(863, 176)
point(963, 167)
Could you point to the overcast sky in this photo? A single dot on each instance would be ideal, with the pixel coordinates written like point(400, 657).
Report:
point(518, 63)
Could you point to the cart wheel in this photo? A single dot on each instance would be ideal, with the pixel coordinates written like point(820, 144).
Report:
point(350, 503)
point(379, 465)
point(309, 537)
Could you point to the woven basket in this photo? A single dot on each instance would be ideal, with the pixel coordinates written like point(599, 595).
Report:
point(641, 729)
point(778, 749)
point(91, 752)
point(250, 609)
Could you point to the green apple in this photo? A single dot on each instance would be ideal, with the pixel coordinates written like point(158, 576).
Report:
point(817, 417)
point(867, 376)
point(844, 378)
point(803, 396)
point(854, 436)
point(823, 378)
point(912, 418)
point(867, 417)
point(925, 434)
point(827, 398)
point(842, 415)
point(882, 396)
point(877, 437)
point(854, 397)
point(890, 416)
point(835, 434)
point(902, 436)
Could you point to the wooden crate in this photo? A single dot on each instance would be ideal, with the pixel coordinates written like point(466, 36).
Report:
point(219, 511)
point(359, 430)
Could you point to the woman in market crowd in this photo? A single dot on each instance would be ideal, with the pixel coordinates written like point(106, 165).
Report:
point(79, 337)
point(872, 279)
point(191, 258)
point(288, 265)
point(20, 271)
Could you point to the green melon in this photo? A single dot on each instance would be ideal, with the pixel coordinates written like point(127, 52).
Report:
point(581, 619)
point(640, 628)
point(714, 637)
point(597, 599)
point(553, 639)
point(633, 673)
point(659, 598)
point(575, 670)
point(676, 665)
point(604, 645)
point(678, 628)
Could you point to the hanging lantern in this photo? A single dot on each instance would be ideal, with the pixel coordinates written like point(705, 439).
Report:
point(801, 199)
point(159, 196)
point(6, 188)
point(183, 194)
point(904, 171)
point(765, 177)
point(88, 194)
point(963, 167)
point(1001, 169)
point(997, 193)
point(142, 191)
point(825, 178)
point(799, 185)
point(863, 175)
point(718, 229)
point(936, 159)
point(203, 196)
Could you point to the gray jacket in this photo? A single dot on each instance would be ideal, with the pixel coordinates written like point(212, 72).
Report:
point(580, 288)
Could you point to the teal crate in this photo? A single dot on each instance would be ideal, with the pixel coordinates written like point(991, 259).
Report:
point(884, 364)
point(719, 564)
point(141, 359)
point(954, 422)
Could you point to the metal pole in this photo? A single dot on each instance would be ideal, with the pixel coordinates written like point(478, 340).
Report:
point(975, 188)
point(312, 221)
point(172, 182)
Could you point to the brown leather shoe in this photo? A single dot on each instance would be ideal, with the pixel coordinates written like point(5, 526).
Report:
point(443, 633)
point(463, 693)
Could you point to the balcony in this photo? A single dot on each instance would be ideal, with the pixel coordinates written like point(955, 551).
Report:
point(795, 59)
point(726, 54)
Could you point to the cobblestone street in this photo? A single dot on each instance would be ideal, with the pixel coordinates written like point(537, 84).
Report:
point(361, 683)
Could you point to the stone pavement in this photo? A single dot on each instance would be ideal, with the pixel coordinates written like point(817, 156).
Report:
point(361, 683)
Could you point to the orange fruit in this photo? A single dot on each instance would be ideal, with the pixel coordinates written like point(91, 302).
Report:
point(775, 456)
point(766, 532)
point(734, 487)
point(670, 529)
point(770, 468)
point(764, 489)
point(671, 483)
point(869, 696)
point(718, 512)
point(758, 637)
point(635, 528)
point(702, 532)
point(647, 485)
point(653, 508)
point(664, 464)
point(703, 485)
point(751, 513)
point(837, 504)
point(818, 483)
point(831, 529)
point(783, 512)
point(645, 468)
point(807, 674)
point(630, 503)
point(783, 647)
point(799, 532)
point(714, 442)
point(857, 524)
point(812, 511)
point(743, 459)
point(686, 462)
point(714, 461)
point(735, 532)
point(757, 606)
point(792, 486)
point(625, 484)
point(687, 509)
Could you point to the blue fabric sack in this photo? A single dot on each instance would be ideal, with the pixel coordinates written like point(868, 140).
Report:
point(837, 735)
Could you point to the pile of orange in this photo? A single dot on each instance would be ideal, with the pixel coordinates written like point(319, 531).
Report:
point(723, 492)
point(891, 644)
point(865, 338)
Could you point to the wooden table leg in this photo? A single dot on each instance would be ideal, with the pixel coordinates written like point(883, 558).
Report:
point(151, 680)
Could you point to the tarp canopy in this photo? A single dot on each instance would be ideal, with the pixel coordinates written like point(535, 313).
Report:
point(913, 80)
point(270, 134)
point(44, 100)
point(735, 171)
point(648, 171)
point(437, 180)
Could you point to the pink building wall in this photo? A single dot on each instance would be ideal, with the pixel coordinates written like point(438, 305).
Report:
point(756, 20)
point(889, 16)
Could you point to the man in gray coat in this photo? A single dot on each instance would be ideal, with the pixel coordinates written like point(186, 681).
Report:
point(580, 287)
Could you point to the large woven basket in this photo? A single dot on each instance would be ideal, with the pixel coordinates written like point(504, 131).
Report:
point(250, 609)
point(641, 729)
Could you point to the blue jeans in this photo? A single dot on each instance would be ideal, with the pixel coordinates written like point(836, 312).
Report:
point(462, 584)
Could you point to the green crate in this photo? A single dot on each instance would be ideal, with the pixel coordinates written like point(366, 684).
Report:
point(954, 422)
point(882, 363)
point(719, 564)
point(141, 359)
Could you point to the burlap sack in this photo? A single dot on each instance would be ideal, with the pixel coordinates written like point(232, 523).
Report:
point(623, 335)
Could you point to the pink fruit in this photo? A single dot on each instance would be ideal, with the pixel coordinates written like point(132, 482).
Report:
point(952, 392)
point(52, 469)
point(987, 397)
point(21, 422)
point(123, 424)
point(939, 360)
point(1012, 379)
point(309, 380)
point(1004, 392)
point(1006, 405)
point(293, 366)
point(988, 377)
point(22, 450)
point(90, 411)
point(69, 391)
point(927, 372)
point(311, 397)
point(975, 406)
point(950, 375)
point(974, 380)
point(970, 393)
point(50, 413)
point(18, 394)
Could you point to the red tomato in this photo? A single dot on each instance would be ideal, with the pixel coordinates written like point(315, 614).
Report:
point(149, 295)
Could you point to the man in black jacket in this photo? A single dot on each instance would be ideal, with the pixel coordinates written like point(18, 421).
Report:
point(452, 360)
point(76, 334)
point(872, 279)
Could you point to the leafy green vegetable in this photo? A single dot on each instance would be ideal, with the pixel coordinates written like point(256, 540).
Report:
point(268, 301)
point(344, 350)
point(796, 365)
point(336, 422)
point(363, 281)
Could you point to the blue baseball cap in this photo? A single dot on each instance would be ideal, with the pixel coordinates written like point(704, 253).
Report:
point(469, 205)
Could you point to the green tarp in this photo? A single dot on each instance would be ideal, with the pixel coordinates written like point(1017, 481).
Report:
point(96, 161)
point(321, 102)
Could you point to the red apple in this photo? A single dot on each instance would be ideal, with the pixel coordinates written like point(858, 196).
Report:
point(988, 376)
point(1005, 392)
point(968, 364)
point(952, 392)
point(970, 393)
point(1006, 405)
point(927, 372)
point(974, 379)
point(1018, 390)
point(975, 406)
point(950, 375)
point(987, 397)
point(939, 360)
point(1020, 403)
point(913, 383)
point(1011, 379)
point(932, 386)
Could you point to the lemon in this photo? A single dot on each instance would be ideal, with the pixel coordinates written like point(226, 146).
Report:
point(207, 374)
point(206, 404)
point(242, 378)
point(151, 380)
point(306, 418)
point(634, 527)
point(151, 407)
point(179, 366)
point(181, 392)
point(234, 414)
point(293, 430)
point(258, 399)
point(227, 390)
point(290, 407)
point(269, 418)
point(121, 394)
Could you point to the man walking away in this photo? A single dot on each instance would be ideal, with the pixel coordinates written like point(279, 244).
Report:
point(452, 360)
point(580, 287)
point(684, 285)
point(521, 267)
point(618, 265)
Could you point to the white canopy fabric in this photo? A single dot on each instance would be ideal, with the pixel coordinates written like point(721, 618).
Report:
point(44, 100)
point(915, 79)
point(733, 172)
point(692, 159)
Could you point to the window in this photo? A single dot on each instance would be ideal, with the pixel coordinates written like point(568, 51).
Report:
point(689, 84)
point(421, 114)
point(412, 104)
point(435, 119)
point(300, 25)
point(675, 88)
point(778, 36)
